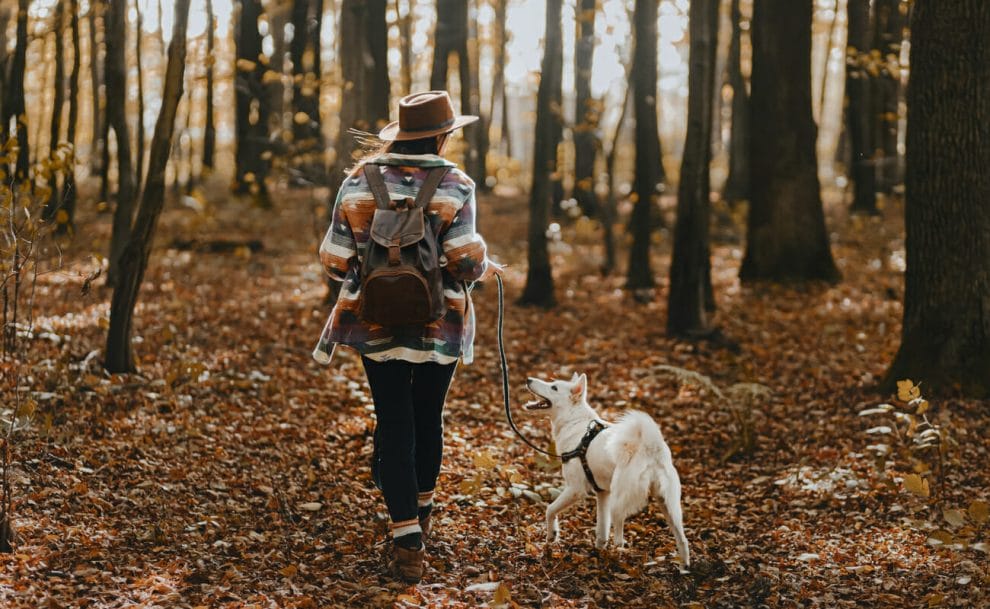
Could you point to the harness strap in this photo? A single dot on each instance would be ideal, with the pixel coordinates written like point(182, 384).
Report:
point(581, 452)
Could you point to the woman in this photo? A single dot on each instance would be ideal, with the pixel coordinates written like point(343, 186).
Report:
point(409, 368)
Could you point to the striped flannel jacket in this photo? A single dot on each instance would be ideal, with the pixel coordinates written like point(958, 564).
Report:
point(451, 214)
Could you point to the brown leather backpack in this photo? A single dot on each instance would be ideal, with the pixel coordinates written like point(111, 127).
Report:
point(401, 278)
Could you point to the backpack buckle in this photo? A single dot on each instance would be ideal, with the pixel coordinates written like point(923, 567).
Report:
point(394, 257)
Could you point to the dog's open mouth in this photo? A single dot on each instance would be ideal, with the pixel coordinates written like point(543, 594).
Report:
point(540, 403)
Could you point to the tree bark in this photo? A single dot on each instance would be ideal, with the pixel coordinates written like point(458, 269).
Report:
point(451, 38)
point(119, 356)
point(610, 209)
point(405, 21)
point(210, 129)
point(138, 38)
point(539, 276)
point(96, 9)
point(365, 86)
point(945, 339)
point(586, 109)
point(307, 133)
point(4, 20)
point(13, 104)
point(58, 101)
point(786, 238)
point(690, 266)
point(116, 73)
point(888, 37)
point(649, 159)
point(477, 132)
point(252, 112)
point(858, 108)
point(737, 183)
point(498, 86)
point(66, 221)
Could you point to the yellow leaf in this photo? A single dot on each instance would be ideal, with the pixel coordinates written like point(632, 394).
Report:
point(485, 461)
point(246, 65)
point(956, 518)
point(979, 511)
point(288, 571)
point(907, 390)
point(502, 595)
point(922, 407)
point(917, 485)
point(61, 217)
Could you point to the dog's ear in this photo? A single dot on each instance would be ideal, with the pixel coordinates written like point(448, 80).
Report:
point(580, 389)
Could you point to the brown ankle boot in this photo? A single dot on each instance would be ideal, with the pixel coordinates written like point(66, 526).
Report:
point(425, 523)
point(408, 565)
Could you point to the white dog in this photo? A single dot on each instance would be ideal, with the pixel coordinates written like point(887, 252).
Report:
point(623, 463)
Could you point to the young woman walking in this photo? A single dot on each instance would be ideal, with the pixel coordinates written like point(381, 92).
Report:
point(409, 367)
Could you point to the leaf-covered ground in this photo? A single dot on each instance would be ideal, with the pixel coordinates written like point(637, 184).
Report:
point(233, 470)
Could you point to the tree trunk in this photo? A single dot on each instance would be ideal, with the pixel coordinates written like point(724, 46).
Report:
point(690, 266)
point(888, 37)
point(13, 104)
point(405, 42)
point(359, 108)
point(539, 277)
point(586, 109)
point(58, 101)
point(116, 72)
point(119, 356)
point(96, 9)
point(139, 37)
point(610, 209)
point(737, 183)
point(66, 220)
point(277, 19)
point(210, 130)
point(476, 132)
point(451, 38)
point(649, 160)
point(498, 85)
point(252, 112)
point(4, 20)
point(786, 238)
point(945, 340)
point(307, 134)
point(858, 105)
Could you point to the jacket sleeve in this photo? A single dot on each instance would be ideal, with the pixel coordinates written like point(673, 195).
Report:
point(339, 248)
point(463, 247)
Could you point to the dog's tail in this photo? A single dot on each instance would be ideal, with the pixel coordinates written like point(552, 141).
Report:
point(643, 467)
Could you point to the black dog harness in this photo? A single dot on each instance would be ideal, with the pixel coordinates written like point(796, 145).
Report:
point(581, 452)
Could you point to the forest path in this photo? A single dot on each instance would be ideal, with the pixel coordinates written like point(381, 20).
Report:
point(233, 471)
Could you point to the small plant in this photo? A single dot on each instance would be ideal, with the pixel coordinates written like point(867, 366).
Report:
point(739, 400)
point(914, 442)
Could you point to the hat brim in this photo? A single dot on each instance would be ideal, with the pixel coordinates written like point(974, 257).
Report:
point(393, 133)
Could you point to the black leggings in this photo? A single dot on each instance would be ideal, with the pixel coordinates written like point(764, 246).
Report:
point(409, 401)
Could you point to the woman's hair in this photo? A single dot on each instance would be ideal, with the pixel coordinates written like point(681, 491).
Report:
point(373, 148)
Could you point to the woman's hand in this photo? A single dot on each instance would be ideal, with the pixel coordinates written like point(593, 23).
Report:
point(493, 269)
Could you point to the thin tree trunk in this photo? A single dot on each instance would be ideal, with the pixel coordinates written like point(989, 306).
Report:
point(58, 25)
point(737, 183)
point(477, 132)
point(96, 9)
point(210, 130)
point(66, 220)
point(786, 238)
point(252, 111)
point(307, 133)
point(4, 20)
point(649, 159)
point(690, 266)
point(945, 340)
point(119, 356)
point(586, 109)
point(888, 37)
point(858, 105)
point(498, 85)
point(405, 42)
point(380, 93)
point(139, 36)
point(539, 276)
point(277, 19)
point(610, 210)
point(13, 105)
point(116, 73)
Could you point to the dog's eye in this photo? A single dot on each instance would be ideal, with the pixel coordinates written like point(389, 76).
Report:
point(553, 387)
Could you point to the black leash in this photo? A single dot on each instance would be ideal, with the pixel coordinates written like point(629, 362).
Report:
point(505, 374)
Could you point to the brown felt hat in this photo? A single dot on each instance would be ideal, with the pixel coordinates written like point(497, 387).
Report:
point(424, 115)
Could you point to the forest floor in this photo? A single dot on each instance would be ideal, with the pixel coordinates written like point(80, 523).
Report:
point(232, 471)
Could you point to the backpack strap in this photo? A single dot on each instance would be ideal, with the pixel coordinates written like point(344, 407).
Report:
point(373, 173)
point(430, 185)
